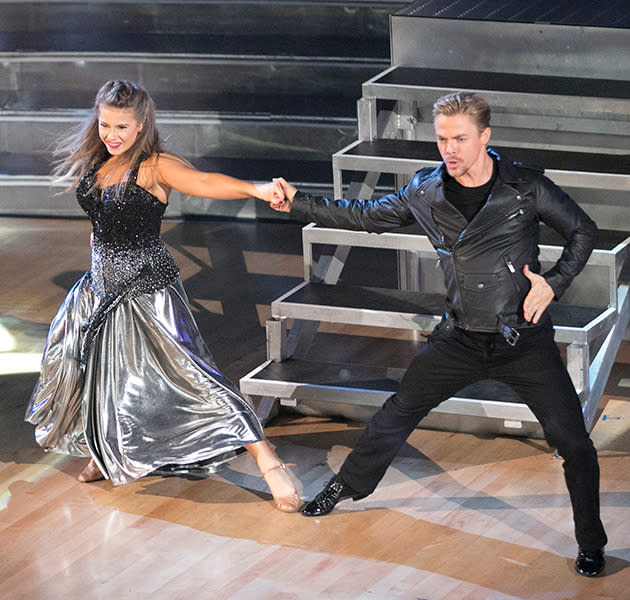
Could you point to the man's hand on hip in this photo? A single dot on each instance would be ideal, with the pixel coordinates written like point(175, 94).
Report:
point(539, 297)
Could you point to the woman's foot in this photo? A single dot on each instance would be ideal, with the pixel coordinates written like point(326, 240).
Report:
point(90, 473)
point(279, 478)
point(284, 492)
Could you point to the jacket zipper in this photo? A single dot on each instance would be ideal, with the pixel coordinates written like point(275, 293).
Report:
point(519, 212)
point(512, 270)
point(492, 223)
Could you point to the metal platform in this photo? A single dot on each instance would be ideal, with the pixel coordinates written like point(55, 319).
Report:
point(540, 111)
point(401, 309)
point(355, 391)
point(573, 39)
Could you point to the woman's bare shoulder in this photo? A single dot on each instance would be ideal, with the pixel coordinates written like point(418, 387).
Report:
point(166, 160)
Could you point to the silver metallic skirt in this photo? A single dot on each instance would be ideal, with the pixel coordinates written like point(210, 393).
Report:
point(149, 396)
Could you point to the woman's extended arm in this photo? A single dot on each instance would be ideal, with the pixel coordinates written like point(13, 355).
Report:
point(175, 173)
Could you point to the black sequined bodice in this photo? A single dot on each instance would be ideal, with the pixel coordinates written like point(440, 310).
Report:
point(128, 255)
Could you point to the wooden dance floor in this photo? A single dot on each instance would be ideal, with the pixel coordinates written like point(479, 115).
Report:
point(458, 516)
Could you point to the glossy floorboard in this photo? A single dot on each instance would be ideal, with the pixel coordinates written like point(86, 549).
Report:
point(457, 516)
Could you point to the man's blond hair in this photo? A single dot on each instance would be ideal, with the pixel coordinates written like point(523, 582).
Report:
point(464, 103)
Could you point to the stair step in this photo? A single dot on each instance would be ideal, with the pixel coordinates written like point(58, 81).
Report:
point(196, 135)
point(381, 307)
point(37, 165)
point(582, 14)
point(570, 169)
point(210, 101)
point(553, 160)
point(231, 27)
point(356, 391)
point(407, 82)
point(537, 110)
point(257, 84)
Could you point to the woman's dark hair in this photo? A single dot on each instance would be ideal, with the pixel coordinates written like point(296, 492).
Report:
point(82, 147)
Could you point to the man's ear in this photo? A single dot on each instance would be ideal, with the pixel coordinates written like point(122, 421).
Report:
point(485, 135)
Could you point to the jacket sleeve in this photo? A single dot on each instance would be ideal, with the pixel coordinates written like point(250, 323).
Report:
point(560, 212)
point(376, 216)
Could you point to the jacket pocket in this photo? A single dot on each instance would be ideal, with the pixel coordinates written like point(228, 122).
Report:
point(481, 283)
point(486, 298)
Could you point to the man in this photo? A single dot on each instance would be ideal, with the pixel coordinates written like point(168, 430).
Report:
point(481, 212)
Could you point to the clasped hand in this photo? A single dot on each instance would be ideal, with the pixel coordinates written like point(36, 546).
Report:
point(278, 194)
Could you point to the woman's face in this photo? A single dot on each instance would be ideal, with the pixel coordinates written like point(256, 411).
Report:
point(118, 128)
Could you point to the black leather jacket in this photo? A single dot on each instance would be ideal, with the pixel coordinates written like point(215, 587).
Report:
point(482, 260)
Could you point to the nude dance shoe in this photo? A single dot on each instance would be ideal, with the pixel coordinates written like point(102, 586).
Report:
point(287, 504)
point(90, 473)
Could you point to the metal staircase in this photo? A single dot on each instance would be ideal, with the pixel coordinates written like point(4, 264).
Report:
point(576, 127)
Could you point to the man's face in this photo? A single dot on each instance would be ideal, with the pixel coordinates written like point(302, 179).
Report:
point(461, 144)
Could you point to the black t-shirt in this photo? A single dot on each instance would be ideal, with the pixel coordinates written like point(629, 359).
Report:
point(468, 200)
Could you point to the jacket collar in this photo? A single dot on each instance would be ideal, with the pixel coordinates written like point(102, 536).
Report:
point(508, 169)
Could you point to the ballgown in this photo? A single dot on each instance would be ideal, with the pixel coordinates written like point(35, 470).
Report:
point(126, 376)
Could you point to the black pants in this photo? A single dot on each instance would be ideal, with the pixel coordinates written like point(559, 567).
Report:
point(451, 360)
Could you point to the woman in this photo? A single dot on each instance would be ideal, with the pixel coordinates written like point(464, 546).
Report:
point(126, 377)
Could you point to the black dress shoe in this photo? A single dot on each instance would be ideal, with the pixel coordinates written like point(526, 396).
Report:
point(590, 564)
point(335, 491)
